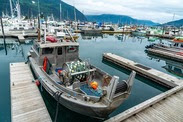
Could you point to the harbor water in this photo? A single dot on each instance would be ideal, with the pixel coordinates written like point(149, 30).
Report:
point(91, 48)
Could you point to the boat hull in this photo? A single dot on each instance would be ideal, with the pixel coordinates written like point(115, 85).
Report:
point(99, 112)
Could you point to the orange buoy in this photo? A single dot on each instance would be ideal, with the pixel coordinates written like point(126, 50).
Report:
point(59, 71)
point(94, 85)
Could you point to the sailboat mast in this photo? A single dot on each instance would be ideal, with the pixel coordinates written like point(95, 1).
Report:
point(60, 10)
point(38, 8)
point(74, 12)
point(11, 7)
point(18, 10)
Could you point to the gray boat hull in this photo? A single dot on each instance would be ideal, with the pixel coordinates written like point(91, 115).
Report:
point(92, 111)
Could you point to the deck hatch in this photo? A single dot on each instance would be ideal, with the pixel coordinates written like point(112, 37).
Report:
point(142, 66)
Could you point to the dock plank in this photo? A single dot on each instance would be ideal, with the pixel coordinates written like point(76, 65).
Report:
point(166, 107)
point(27, 104)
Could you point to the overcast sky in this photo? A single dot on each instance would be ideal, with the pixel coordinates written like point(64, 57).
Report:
point(156, 10)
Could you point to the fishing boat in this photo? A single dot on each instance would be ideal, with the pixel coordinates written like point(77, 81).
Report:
point(152, 39)
point(172, 46)
point(139, 32)
point(75, 83)
point(178, 39)
point(62, 32)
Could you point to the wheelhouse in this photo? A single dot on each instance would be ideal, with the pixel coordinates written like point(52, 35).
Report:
point(57, 53)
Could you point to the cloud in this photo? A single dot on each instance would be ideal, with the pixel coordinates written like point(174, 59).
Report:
point(156, 10)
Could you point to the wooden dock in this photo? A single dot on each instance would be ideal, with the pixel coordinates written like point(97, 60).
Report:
point(162, 36)
point(166, 54)
point(21, 37)
point(152, 74)
point(166, 107)
point(117, 32)
point(27, 104)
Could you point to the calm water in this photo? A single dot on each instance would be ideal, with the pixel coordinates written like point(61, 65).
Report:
point(92, 49)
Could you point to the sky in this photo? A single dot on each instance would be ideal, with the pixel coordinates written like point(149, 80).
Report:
point(160, 11)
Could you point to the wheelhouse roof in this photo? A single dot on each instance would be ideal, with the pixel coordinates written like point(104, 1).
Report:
point(56, 44)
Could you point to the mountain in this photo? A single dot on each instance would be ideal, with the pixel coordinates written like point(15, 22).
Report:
point(175, 23)
point(118, 19)
point(47, 7)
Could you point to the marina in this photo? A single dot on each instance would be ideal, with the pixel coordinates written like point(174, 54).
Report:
point(26, 100)
point(91, 61)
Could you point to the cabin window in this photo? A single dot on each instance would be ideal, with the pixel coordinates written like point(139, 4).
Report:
point(72, 49)
point(181, 45)
point(47, 50)
point(59, 51)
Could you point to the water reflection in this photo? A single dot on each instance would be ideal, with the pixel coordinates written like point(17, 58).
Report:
point(14, 47)
point(91, 36)
point(175, 68)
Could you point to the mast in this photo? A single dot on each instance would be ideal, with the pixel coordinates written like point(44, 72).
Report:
point(18, 10)
point(11, 9)
point(60, 10)
point(74, 12)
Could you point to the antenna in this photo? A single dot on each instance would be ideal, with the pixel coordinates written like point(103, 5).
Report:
point(45, 35)
point(173, 17)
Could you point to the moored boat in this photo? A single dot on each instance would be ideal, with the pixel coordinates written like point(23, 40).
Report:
point(74, 83)
point(178, 39)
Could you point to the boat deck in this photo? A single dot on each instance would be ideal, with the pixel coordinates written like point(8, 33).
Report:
point(166, 107)
point(150, 73)
point(27, 104)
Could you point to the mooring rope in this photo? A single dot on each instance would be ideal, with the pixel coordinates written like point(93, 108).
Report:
point(58, 94)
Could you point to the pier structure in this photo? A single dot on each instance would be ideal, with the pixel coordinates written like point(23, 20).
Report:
point(166, 54)
point(150, 73)
point(21, 37)
point(165, 107)
point(162, 36)
point(27, 104)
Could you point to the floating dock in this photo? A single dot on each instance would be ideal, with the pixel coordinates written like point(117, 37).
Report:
point(27, 104)
point(166, 107)
point(20, 37)
point(162, 36)
point(152, 74)
point(117, 32)
point(166, 54)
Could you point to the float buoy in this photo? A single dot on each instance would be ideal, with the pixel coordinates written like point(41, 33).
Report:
point(94, 85)
point(37, 82)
